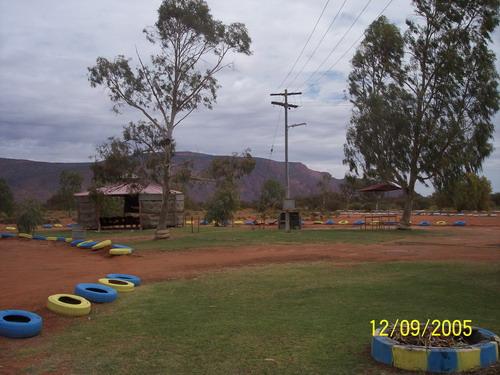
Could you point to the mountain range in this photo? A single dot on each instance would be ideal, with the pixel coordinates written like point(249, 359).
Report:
point(40, 180)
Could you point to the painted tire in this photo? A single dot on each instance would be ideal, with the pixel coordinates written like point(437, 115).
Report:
point(136, 280)
point(76, 242)
point(121, 251)
point(119, 246)
point(317, 222)
point(39, 237)
point(329, 222)
point(51, 238)
point(343, 222)
point(424, 224)
point(19, 324)
point(96, 292)
point(12, 229)
point(61, 239)
point(359, 222)
point(47, 226)
point(58, 226)
point(8, 235)
point(68, 240)
point(25, 235)
point(459, 223)
point(102, 244)
point(119, 285)
point(86, 244)
point(68, 304)
point(441, 222)
point(433, 359)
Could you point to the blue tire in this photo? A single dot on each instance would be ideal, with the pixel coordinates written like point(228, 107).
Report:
point(19, 324)
point(119, 246)
point(61, 238)
point(96, 292)
point(89, 245)
point(47, 226)
point(8, 235)
point(122, 276)
point(39, 237)
point(75, 242)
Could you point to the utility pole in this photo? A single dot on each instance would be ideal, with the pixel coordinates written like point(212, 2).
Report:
point(288, 204)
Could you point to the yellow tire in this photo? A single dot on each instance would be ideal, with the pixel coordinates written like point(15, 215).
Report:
point(11, 228)
point(68, 240)
point(343, 222)
point(51, 238)
point(102, 244)
point(25, 235)
point(68, 304)
point(57, 225)
point(441, 222)
point(119, 285)
point(121, 251)
point(84, 243)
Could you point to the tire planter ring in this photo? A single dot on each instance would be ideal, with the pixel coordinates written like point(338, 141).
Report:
point(96, 292)
point(119, 246)
point(343, 222)
point(86, 244)
point(119, 285)
point(76, 242)
point(434, 359)
point(136, 280)
point(441, 222)
point(19, 324)
point(68, 304)
point(102, 244)
point(121, 251)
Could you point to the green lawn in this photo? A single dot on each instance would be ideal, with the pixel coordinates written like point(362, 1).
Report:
point(280, 319)
point(182, 238)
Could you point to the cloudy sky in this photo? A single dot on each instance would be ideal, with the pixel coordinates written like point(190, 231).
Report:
point(49, 112)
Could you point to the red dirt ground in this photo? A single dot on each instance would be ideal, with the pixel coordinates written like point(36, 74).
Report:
point(30, 271)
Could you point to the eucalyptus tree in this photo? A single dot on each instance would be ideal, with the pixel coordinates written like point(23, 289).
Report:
point(192, 47)
point(424, 99)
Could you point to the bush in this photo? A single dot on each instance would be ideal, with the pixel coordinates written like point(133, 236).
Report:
point(222, 207)
point(29, 214)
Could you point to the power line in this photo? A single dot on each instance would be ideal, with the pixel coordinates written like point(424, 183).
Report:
point(305, 45)
point(340, 41)
point(350, 47)
point(319, 43)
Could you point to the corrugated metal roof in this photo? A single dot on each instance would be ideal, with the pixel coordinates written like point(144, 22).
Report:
point(380, 187)
point(128, 189)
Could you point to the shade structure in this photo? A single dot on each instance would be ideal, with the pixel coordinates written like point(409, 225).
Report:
point(382, 187)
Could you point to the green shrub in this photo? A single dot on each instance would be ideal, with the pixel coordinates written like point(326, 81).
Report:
point(29, 214)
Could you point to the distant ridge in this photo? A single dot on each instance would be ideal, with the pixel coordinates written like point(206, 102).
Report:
point(40, 180)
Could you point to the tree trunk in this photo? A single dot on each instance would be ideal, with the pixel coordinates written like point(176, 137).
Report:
point(162, 231)
point(409, 195)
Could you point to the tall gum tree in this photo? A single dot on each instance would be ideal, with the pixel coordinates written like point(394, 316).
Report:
point(192, 49)
point(423, 100)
